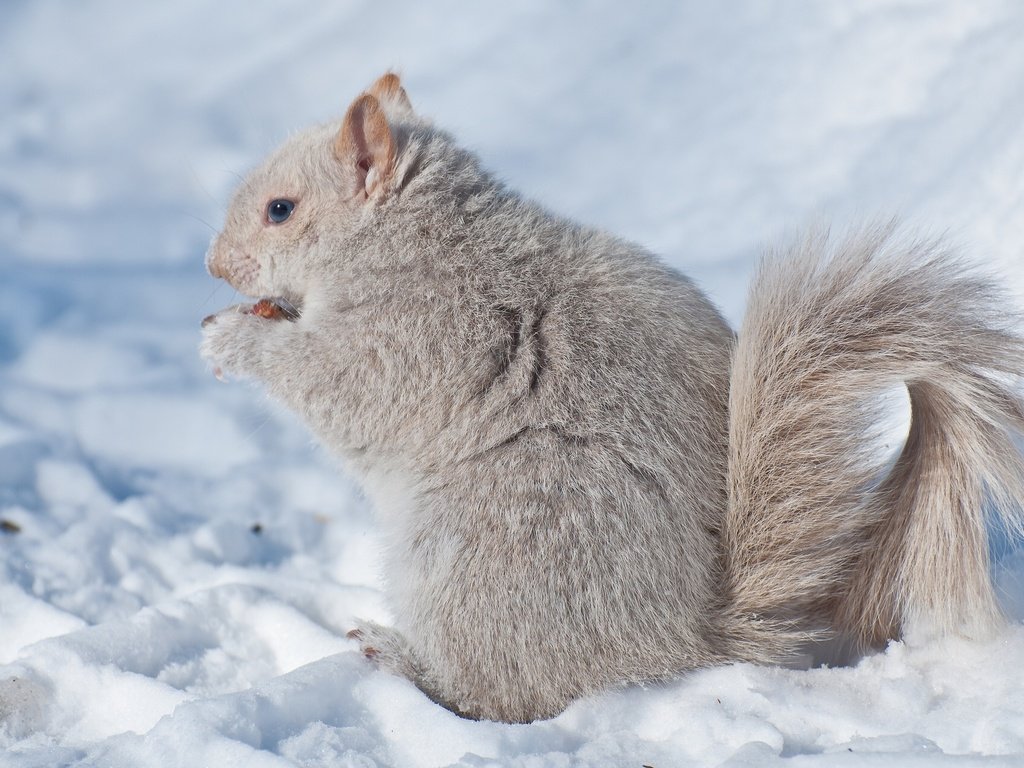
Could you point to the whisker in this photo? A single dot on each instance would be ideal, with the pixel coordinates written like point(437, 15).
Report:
point(202, 221)
point(209, 298)
point(258, 428)
point(199, 182)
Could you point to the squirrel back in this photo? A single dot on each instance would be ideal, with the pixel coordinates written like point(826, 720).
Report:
point(583, 478)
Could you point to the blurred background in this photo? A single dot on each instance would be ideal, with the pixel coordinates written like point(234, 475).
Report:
point(703, 132)
point(700, 131)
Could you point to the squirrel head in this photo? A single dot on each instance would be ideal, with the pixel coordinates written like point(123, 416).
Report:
point(291, 217)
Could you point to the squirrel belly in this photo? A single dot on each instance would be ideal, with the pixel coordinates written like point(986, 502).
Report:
point(584, 478)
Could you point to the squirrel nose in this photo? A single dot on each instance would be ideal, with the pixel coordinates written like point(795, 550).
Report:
point(213, 264)
point(214, 268)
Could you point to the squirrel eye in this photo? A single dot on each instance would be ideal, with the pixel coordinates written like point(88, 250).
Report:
point(279, 210)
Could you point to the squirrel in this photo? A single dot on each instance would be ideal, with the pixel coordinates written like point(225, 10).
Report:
point(585, 479)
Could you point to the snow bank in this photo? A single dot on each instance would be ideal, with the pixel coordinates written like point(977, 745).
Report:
point(181, 562)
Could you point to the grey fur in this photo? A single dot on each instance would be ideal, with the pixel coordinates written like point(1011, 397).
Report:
point(572, 494)
point(808, 532)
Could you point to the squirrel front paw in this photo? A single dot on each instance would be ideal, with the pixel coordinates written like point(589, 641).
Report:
point(233, 340)
point(236, 339)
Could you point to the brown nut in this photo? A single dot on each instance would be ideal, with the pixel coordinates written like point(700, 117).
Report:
point(274, 309)
point(267, 308)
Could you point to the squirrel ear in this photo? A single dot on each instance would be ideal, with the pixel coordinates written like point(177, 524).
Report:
point(365, 145)
point(388, 91)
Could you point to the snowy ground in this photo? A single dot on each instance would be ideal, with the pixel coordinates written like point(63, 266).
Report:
point(187, 562)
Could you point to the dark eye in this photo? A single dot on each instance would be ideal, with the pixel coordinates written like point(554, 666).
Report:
point(279, 210)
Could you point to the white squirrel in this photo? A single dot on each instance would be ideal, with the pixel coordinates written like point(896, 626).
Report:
point(584, 477)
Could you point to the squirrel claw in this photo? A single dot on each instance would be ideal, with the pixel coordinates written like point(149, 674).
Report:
point(369, 651)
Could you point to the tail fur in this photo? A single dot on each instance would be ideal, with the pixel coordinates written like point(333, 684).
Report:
point(812, 537)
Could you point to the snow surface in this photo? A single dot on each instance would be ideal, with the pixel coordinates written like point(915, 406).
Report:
point(188, 561)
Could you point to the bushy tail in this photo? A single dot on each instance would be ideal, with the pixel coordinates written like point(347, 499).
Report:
point(813, 534)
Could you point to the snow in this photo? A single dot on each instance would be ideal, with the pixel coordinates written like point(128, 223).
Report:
point(188, 561)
